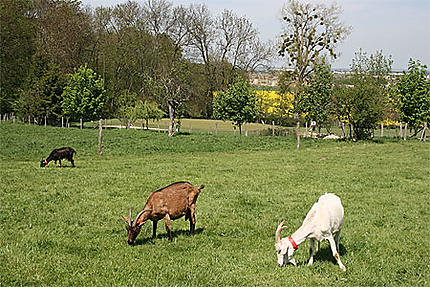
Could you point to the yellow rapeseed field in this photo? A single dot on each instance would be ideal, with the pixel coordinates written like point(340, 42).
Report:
point(274, 103)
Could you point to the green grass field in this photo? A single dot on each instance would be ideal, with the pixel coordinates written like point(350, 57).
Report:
point(62, 227)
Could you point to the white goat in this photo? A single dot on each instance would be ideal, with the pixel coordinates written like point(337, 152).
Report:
point(323, 221)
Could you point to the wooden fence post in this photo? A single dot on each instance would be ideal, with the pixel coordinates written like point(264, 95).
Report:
point(62, 122)
point(405, 132)
point(99, 147)
point(29, 121)
point(306, 129)
point(273, 128)
point(246, 130)
point(401, 130)
point(80, 123)
point(423, 133)
point(382, 130)
point(45, 121)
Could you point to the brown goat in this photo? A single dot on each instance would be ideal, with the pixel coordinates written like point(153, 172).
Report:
point(170, 202)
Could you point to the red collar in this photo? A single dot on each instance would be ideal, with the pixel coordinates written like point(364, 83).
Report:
point(140, 221)
point(295, 246)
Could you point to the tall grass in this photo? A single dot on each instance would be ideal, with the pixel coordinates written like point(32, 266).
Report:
point(62, 227)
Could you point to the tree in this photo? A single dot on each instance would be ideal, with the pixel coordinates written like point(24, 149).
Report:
point(125, 104)
point(311, 31)
point(64, 32)
point(17, 42)
point(225, 45)
point(148, 111)
point(41, 97)
point(414, 95)
point(175, 90)
point(363, 102)
point(316, 99)
point(237, 104)
point(84, 95)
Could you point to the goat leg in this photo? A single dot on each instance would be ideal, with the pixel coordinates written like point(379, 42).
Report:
point(335, 252)
point(167, 221)
point(192, 219)
point(154, 228)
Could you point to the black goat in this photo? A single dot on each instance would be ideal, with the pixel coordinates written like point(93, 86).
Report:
point(59, 154)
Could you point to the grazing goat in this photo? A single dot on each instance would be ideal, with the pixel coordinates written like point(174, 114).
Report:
point(59, 154)
point(323, 220)
point(170, 202)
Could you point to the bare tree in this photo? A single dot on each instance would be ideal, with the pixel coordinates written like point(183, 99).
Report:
point(311, 31)
point(238, 42)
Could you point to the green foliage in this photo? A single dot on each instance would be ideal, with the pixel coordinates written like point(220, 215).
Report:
point(43, 92)
point(61, 227)
point(17, 45)
point(147, 110)
point(414, 95)
point(125, 104)
point(316, 100)
point(238, 104)
point(363, 103)
point(84, 95)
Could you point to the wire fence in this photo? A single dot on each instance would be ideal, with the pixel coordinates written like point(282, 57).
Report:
point(215, 127)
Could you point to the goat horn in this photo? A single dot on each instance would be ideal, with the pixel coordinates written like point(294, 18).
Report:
point(129, 216)
point(278, 231)
point(126, 219)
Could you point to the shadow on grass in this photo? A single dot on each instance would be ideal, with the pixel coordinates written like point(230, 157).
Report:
point(325, 254)
point(175, 234)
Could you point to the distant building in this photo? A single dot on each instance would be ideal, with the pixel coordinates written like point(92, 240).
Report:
point(263, 79)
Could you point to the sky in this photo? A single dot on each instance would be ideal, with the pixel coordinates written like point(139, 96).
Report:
point(400, 28)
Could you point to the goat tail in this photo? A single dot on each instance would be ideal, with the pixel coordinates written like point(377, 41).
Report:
point(201, 187)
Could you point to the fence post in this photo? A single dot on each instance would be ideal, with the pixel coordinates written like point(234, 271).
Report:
point(80, 123)
point(423, 134)
point(401, 130)
point(62, 122)
point(246, 130)
point(29, 121)
point(405, 132)
point(273, 128)
point(306, 129)
point(382, 130)
point(99, 147)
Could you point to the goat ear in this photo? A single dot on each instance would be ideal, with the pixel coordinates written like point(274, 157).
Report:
point(140, 222)
point(125, 218)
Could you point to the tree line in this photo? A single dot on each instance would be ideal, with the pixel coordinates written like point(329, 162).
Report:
point(361, 99)
point(151, 54)
point(152, 59)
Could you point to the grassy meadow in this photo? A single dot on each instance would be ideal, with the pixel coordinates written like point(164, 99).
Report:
point(63, 226)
